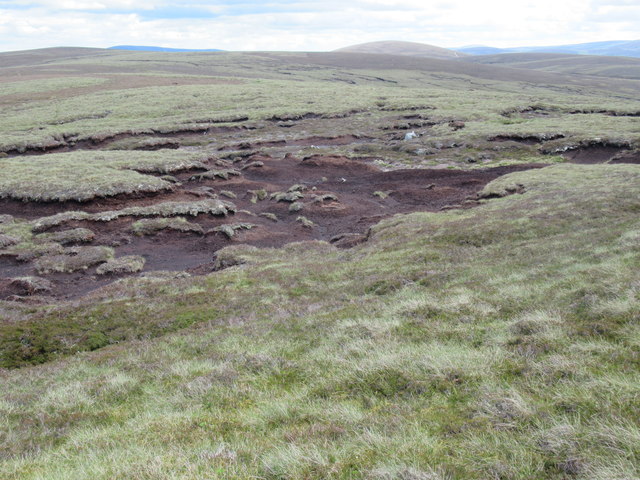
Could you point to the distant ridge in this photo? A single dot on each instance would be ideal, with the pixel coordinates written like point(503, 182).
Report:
point(615, 48)
point(141, 48)
point(411, 49)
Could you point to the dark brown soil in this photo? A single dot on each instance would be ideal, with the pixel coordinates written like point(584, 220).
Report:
point(365, 195)
point(594, 154)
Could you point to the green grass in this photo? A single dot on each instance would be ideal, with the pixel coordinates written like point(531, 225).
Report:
point(497, 342)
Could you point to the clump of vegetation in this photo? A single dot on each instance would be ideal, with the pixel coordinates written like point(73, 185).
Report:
point(121, 265)
point(380, 194)
point(8, 240)
point(31, 285)
point(228, 194)
point(256, 164)
point(298, 187)
point(270, 216)
point(151, 226)
point(257, 195)
point(286, 196)
point(325, 197)
point(65, 237)
point(230, 229)
point(296, 206)
point(164, 209)
point(73, 259)
point(234, 255)
point(305, 222)
point(213, 174)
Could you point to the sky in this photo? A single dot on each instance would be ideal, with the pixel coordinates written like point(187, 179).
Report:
point(312, 25)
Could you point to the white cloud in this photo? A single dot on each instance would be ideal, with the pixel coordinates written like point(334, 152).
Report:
point(312, 25)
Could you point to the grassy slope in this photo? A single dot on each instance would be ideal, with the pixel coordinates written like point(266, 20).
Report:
point(402, 48)
point(605, 66)
point(498, 342)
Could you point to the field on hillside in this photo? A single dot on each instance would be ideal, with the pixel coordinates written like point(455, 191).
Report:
point(312, 266)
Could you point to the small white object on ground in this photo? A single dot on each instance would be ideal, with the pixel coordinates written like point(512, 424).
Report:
point(410, 135)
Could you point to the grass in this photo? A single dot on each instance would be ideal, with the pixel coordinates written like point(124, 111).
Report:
point(47, 85)
point(246, 91)
point(494, 342)
point(84, 175)
point(497, 342)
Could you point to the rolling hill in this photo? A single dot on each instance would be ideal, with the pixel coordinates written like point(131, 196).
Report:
point(610, 48)
point(402, 48)
point(142, 48)
point(597, 65)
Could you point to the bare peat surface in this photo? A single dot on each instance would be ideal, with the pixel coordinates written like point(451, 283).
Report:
point(599, 154)
point(278, 200)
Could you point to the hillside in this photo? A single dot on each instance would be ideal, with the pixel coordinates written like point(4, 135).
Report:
point(624, 48)
point(286, 265)
point(604, 66)
point(402, 48)
point(142, 48)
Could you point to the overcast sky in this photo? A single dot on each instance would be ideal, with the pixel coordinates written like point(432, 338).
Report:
point(311, 25)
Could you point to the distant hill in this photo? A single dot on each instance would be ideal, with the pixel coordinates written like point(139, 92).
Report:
point(411, 49)
point(596, 65)
point(141, 48)
point(42, 55)
point(616, 48)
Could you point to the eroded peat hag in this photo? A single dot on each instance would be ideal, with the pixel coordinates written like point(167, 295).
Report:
point(259, 200)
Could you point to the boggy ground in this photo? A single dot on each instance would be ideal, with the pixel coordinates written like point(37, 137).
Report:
point(322, 197)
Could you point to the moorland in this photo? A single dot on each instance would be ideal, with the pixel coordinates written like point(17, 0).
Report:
point(318, 265)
